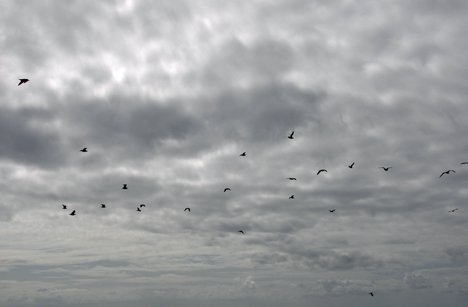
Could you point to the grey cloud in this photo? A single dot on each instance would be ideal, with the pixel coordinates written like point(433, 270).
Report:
point(417, 280)
point(458, 255)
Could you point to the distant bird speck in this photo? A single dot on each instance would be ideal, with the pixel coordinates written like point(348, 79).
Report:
point(227, 189)
point(84, 149)
point(187, 209)
point(291, 197)
point(447, 172)
point(351, 166)
point(22, 81)
point(242, 154)
point(124, 186)
point(138, 209)
point(142, 205)
point(464, 163)
point(385, 168)
point(241, 232)
point(291, 178)
point(453, 210)
point(64, 207)
point(73, 213)
point(103, 206)
point(322, 170)
point(291, 136)
point(332, 210)
point(371, 293)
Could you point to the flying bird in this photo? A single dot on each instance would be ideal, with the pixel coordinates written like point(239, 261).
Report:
point(138, 209)
point(64, 207)
point(464, 163)
point(291, 136)
point(332, 210)
point(447, 172)
point(322, 170)
point(142, 205)
point(291, 178)
point(242, 154)
point(103, 206)
point(227, 189)
point(84, 149)
point(241, 232)
point(124, 187)
point(351, 166)
point(23, 81)
point(453, 210)
point(187, 209)
point(291, 197)
point(386, 168)
point(73, 213)
point(371, 293)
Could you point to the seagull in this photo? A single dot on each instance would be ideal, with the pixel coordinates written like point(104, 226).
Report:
point(241, 232)
point(386, 168)
point(453, 210)
point(187, 209)
point(464, 163)
point(447, 172)
point(351, 166)
point(291, 178)
point(227, 189)
point(73, 213)
point(84, 149)
point(125, 186)
point(291, 197)
point(138, 209)
point(64, 207)
point(332, 210)
point(103, 206)
point(23, 81)
point(371, 293)
point(142, 205)
point(291, 136)
point(322, 170)
point(242, 154)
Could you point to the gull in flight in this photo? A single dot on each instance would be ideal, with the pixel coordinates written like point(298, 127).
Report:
point(447, 172)
point(351, 166)
point(371, 293)
point(187, 209)
point(84, 149)
point(64, 207)
point(453, 210)
point(386, 168)
point(103, 206)
point(73, 213)
point(23, 81)
point(291, 136)
point(138, 209)
point(142, 205)
point(291, 178)
point(322, 170)
point(227, 189)
point(291, 197)
point(464, 163)
point(242, 154)
point(124, 187)
point(332, 210)
point(241, 232)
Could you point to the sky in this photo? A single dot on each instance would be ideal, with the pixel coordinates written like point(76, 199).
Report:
point(166, 95)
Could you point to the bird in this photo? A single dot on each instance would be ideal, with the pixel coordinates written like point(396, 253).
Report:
point(291, 178)
point(453, 210)
point(447, 172)
point(464, 163)
point(351, 166)
point(227, 189)
point(138, 209)
point(371, 293)
point(241, 232)
point(23, 81)
point(142, 205)
point(242, 154)
point(322, 170)
point(73, 213)
point(386, 168)
point(64, 207)
point(187, 209)
point(103, 206)
point(124, 186)
point(291, 136)
point(332, 210)
point(291, 197)
point(84, 149)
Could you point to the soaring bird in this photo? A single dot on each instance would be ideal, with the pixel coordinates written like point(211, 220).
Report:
point(138, 209)
point(103, 206)
point(291, 136)
point(227, 189)
point(453, 210)
point(447, 172)
point(332, 210)
point(386, 168)
point(371, 293)
point(464, 163)
point(242, 154)
point(241, 232)
point(142, 205)
point(64, 207)
point(187, 209)
point(73, 213)
point(351, 166)
point(84, 149)
point(322, 170)
point(291, 197)
point(23, 81)
point(291, 178)
point(124, 186)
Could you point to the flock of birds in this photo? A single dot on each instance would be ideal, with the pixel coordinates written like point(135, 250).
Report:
point(244, 154)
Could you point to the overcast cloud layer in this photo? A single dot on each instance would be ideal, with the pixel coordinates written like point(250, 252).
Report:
point(167, 94)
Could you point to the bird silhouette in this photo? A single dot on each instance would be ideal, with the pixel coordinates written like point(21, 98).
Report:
point(138, 209)
point(386, 168)
point(227, 189)
point(241, 232)
point(332, 210)
point(447, 172)
point(242, 154)
point(322, 170)
point(142, 205)
point(73, 213)
point(351, 166)
point(291, 197)
point(371, 293)
point(124, 186)
point(103, 206)
point(291, 136)
point(291, 178)
point(453, 210)
point(23, 81)
point(464, 163)
point(64, 207)
point(84, 149)
point(187, 209)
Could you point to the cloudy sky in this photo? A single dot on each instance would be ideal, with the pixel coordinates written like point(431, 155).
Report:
point(167, 94)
